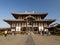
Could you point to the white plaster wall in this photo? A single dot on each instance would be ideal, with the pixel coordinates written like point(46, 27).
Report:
point(18, 28)
point(46, 30)
point(12, 29)
point(41, 28)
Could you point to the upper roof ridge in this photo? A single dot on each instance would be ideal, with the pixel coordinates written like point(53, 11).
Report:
point(33, 12)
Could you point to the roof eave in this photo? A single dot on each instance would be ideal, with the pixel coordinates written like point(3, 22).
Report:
point(7, 21)
point(14, 14)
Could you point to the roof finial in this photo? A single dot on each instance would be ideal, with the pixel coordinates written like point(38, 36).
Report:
point(25, 11)
point(33, 11)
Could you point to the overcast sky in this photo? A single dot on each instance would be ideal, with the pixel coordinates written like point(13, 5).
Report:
point(9, 6)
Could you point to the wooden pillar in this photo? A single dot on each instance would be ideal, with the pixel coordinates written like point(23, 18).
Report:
point(26, 27)
point(41, 28)
point(32, 27)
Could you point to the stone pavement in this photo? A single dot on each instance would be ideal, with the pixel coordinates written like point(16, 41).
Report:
point(46, 40)
point(29, 40)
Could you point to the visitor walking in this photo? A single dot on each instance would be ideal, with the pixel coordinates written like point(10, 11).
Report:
point(5, 33)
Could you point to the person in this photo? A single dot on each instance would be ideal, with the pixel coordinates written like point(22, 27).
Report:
point(5, 33)
point(42, 33)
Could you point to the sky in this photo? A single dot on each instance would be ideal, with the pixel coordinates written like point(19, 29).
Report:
point(9, 6)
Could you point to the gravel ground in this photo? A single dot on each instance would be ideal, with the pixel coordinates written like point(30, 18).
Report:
point(46, 40)
point(29, 40)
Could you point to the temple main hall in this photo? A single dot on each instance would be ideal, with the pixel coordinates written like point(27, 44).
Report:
point(26, 22)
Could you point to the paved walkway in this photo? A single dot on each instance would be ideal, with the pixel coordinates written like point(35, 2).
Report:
point(46, 40)
point(29, 40)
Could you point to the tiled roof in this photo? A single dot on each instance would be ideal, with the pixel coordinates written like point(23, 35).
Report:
point(16, 15)
point(30, 13)
point(24, 20)
point(56, 24)
point(19, 20)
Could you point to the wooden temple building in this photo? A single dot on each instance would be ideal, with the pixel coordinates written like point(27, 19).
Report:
point(54, 28)
point(26, 22)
